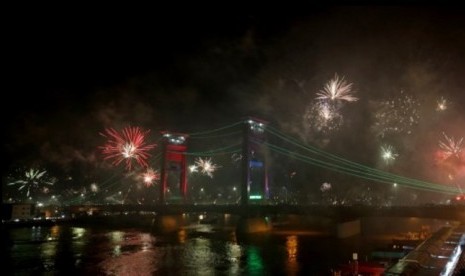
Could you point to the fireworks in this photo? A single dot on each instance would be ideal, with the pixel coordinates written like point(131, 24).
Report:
point(451, 146)
point(397, 115)
point(205, 166)
point(94, 187)
point(236, 157)
point(150, 176)
point(337, 90)
point(127, 145)
point(442, 104)
point(388, 154)
point(322, 117)
point(33, 180)
point(325, 187)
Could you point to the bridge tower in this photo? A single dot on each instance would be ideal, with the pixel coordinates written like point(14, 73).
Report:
point(254, 184)
point(173, 163)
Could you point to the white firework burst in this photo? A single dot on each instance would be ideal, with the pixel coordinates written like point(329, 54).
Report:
point(442, 104)
point(337, 90)
point(150, 176)
point(451, 146)
point(193, 169)
point(325, 187)
point(322, 117)
point(94, 187)
point(388, 154)
point(398, 115)
point(206, 166)
point(32, 181)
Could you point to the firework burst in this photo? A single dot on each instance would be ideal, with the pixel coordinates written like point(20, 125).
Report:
point(325, 187)
point(442, 104)
point(33, 180)
point(337, 90)
point(127, 145)
point(451, 147)
point(150, 176)
point(193, 169)
point(398, 115)
point(94, 187)
point(322, 117)
point(236, 157)
point(388, 154)
point(205, 166)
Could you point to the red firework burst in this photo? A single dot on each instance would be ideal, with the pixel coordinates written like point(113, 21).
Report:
point(127, 145)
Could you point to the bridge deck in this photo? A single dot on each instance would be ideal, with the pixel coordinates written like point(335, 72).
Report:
point(449, 212)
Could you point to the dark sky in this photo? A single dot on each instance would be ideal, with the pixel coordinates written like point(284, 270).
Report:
point(75, 72)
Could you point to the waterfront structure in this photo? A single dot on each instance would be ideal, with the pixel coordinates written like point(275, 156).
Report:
point(437, 255)
point(18, 211)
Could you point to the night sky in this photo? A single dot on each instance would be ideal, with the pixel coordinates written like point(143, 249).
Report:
point(74, 73)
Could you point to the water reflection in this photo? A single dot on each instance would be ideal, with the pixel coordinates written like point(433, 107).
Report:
point(78, 232)
point(195, 250)
point(132, 253)
point(201, 258)
point(182, 235)
point(254, 261)
point(116, 237)
point(234, 254)
point(36, 233)
point(48, 250)
point(54, 233)
point(292, 266)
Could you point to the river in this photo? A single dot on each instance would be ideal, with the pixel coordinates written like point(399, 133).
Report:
point(199, 249)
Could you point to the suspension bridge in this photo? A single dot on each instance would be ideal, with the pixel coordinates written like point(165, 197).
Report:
point(258, 167)
point(254, 148)
point(254, 172)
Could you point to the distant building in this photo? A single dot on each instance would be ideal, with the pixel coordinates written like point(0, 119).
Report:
point(22, 211)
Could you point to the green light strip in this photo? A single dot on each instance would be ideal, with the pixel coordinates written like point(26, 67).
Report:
point(215, 130)
point(365, 175)
point(217, 136)
point(395, 178)
point(292, 155)
point(214, 154)
point(213, 151)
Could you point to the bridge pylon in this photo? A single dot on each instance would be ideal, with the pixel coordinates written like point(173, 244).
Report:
point(173, 163)
point(254, 184)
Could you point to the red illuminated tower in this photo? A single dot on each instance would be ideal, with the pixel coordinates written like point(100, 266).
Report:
point(173, 162)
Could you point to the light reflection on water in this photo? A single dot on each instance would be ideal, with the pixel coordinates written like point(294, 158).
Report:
point(199, 250)
point(190, 251)
point(292, 244)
